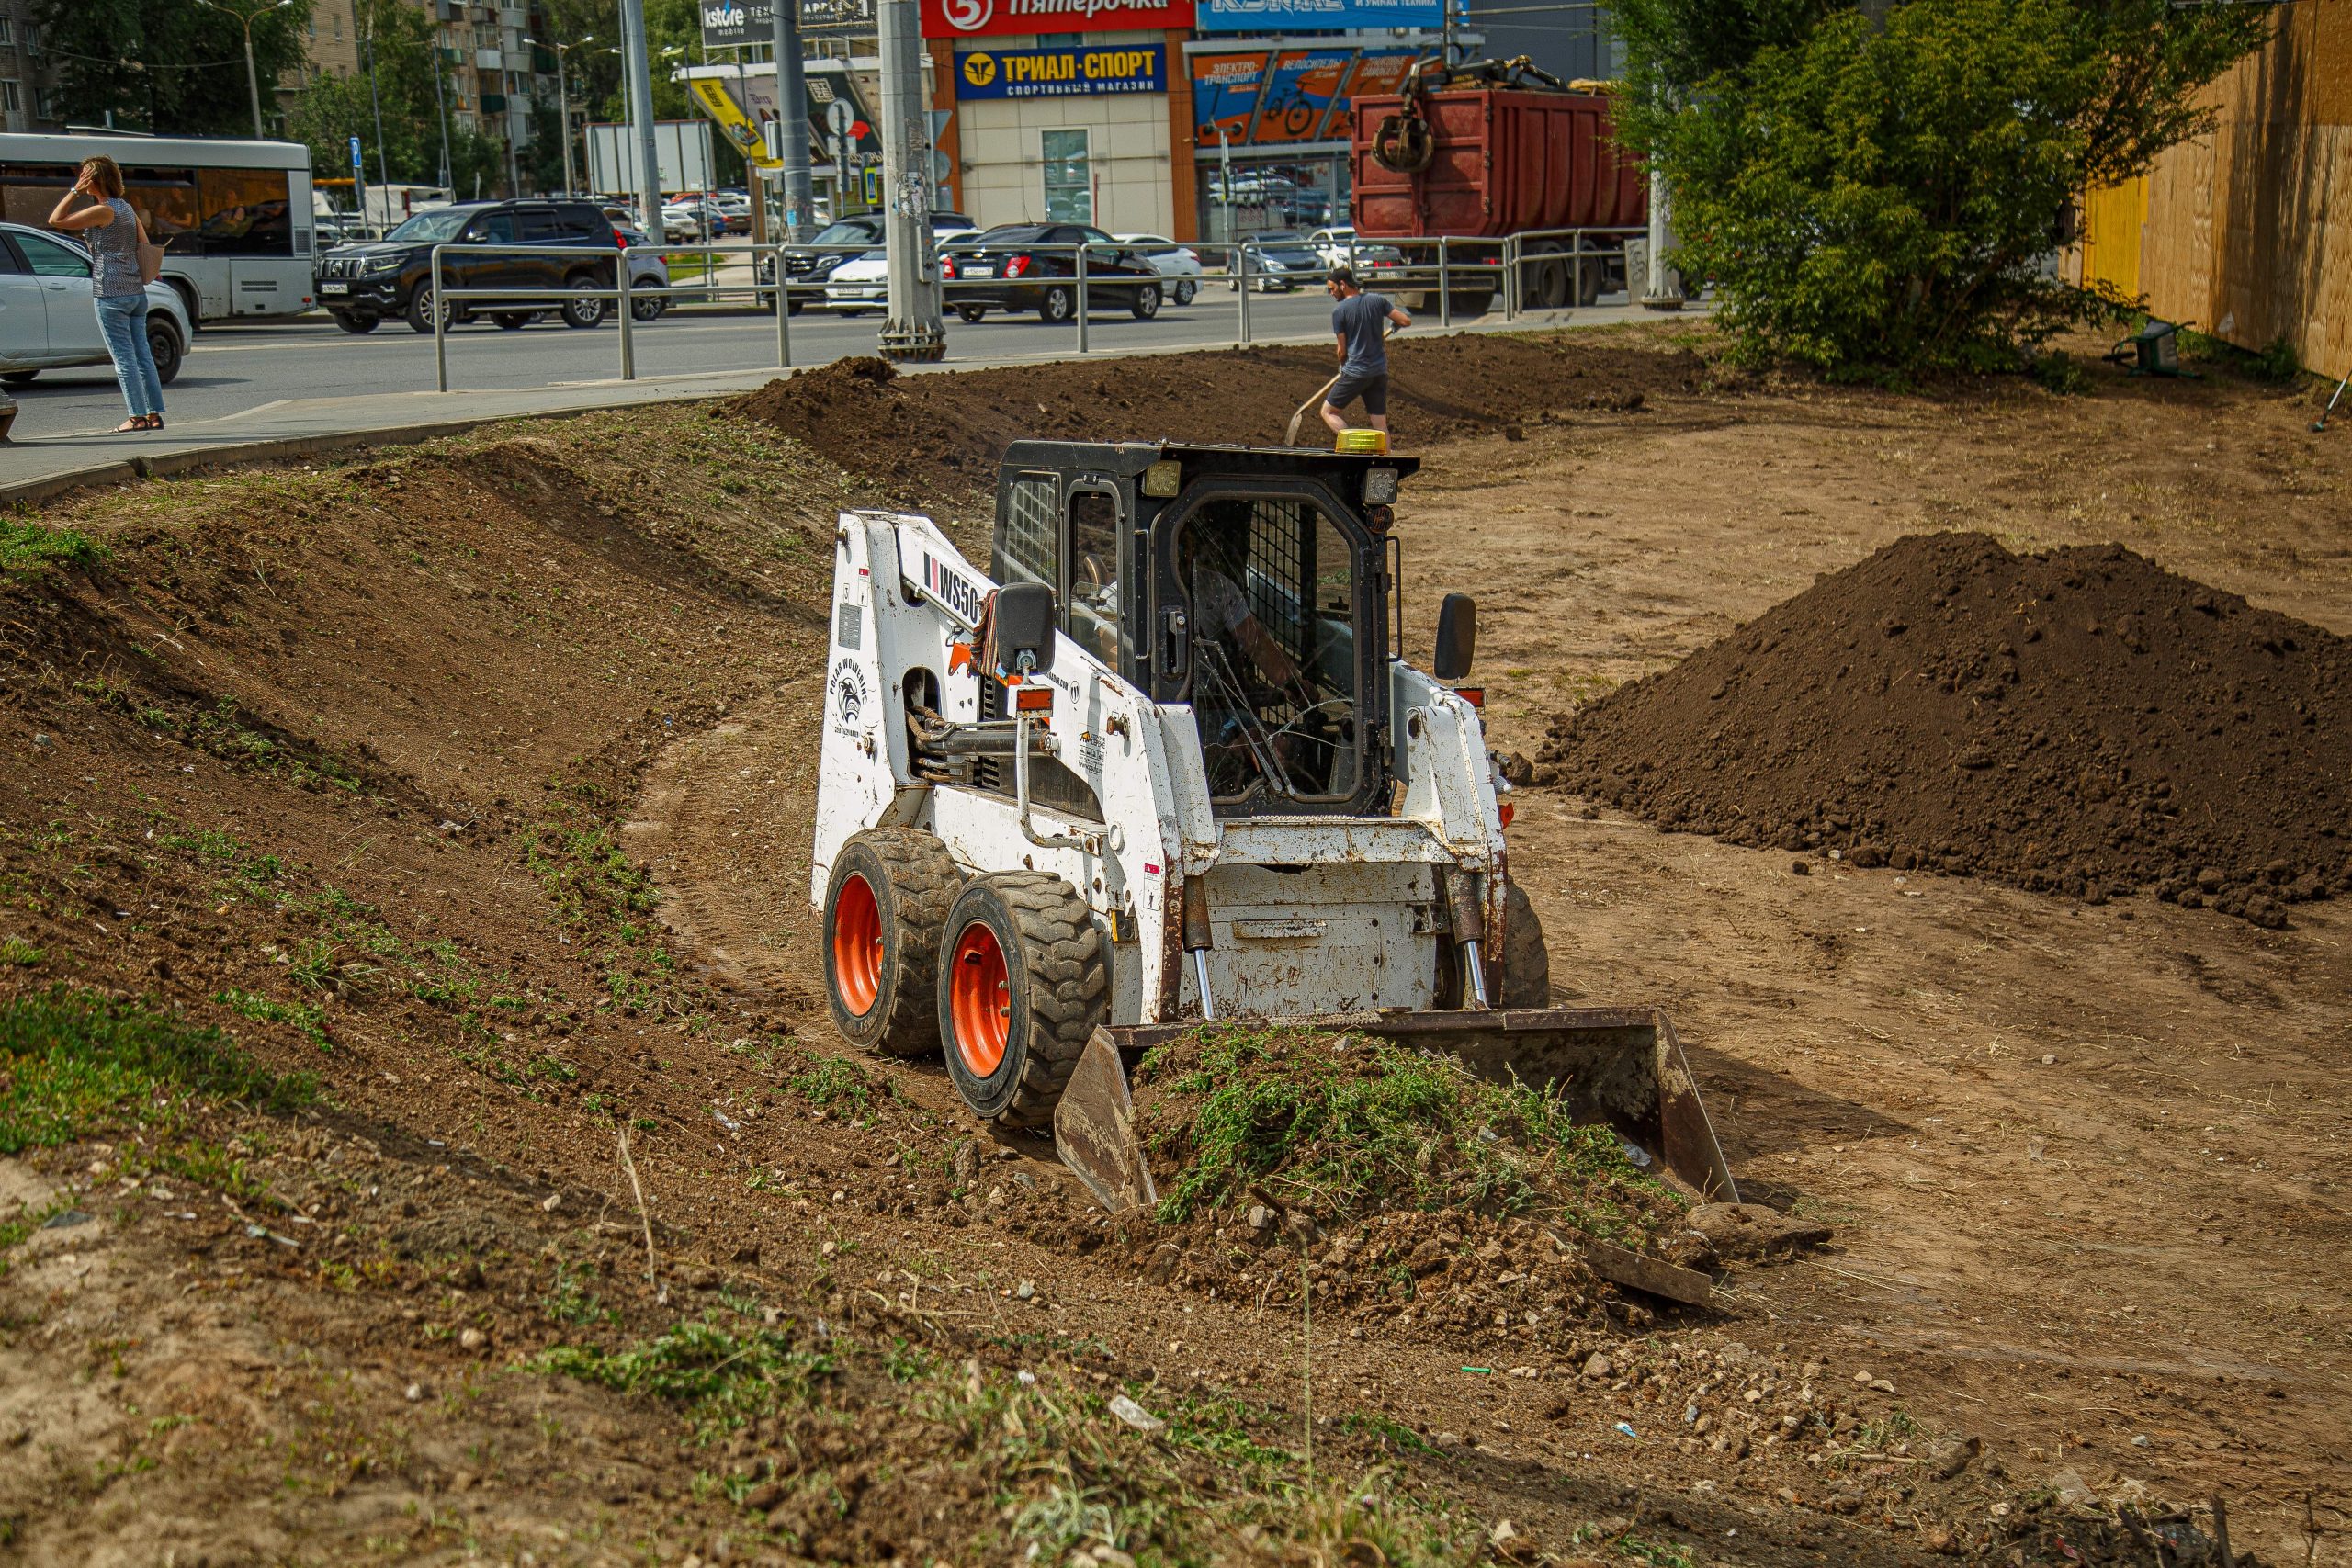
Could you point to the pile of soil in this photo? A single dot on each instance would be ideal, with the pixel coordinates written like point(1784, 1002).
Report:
point(2079, 721)
point(1395, 1183)
point(938, 436)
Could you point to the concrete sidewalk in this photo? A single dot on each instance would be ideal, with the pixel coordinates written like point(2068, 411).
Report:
point(34, 470)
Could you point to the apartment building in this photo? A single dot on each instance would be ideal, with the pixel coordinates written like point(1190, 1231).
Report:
point(27, 82)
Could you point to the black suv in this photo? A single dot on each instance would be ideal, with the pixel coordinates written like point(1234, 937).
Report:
point(361, 285)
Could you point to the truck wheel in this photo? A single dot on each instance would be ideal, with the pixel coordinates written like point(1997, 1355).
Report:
point(885, 905)
point(1527, 961)
point(1021, 986)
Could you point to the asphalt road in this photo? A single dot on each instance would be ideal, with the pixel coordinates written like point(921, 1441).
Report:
point(236, 369)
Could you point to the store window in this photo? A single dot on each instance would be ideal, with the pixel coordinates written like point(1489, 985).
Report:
point(1069, 182)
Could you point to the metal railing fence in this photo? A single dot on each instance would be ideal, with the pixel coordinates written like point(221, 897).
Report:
point(1460, 273)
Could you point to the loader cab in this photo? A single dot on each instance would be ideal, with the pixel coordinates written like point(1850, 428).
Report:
point(1249, 582)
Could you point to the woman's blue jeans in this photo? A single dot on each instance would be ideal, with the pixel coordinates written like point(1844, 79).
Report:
point(122, 319)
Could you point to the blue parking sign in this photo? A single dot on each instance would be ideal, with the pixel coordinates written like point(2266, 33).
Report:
point(355, 152)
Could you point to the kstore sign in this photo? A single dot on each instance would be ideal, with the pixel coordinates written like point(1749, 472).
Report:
point(971, 18)
point(1061, 73)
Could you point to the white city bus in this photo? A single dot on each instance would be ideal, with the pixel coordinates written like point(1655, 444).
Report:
point(236, 214)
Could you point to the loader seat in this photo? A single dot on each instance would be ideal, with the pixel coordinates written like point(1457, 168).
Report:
point(1272, 685)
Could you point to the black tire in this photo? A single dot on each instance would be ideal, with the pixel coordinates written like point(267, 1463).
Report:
point(163, 343)
point(891, 888)
point(794, 307)
point(19, 377)
point(1144, 303)
point(1057, 305)
point(1588, 287)
point(581, 309)
point(420, 309)
point(356, 324)
point(1050, 975)
point(1185, 291)
point(972, 314)
point(1527, 960)
point(512, 320)
point(647, 306)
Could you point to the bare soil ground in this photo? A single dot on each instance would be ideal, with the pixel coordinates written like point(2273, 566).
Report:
point(473, 781)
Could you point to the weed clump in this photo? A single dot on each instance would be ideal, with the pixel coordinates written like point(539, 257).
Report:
point(72, 1062)
point(1343, 1127)
point(27, 547)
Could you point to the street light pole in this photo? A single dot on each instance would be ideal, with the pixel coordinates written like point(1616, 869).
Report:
point(791, 126)
point(637, 62)
point(563, 96)
point(252, 76)
point(383, 170)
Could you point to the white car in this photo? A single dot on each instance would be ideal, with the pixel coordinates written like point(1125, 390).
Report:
point(1168, 259)
point(860, 283)
point(49, 320)
point(681, 223)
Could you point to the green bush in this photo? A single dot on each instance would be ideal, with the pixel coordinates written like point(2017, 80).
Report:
point(1877, 195)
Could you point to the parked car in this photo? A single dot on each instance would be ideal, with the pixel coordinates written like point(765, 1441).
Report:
point(860, 283)
point(649, 274)
point(48, 319)
point(1280, 260)
point(363, 285)
point(808, 271)
point(1169, 260)
point(683, 223)
point(1015, 272)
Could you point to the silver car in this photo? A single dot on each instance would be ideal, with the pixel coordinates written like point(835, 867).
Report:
point(48, 318)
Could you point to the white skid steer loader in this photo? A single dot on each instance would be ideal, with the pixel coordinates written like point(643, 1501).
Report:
point(1162, 763)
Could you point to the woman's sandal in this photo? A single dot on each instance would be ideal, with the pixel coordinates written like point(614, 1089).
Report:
point(155, 421)
point(132, 425)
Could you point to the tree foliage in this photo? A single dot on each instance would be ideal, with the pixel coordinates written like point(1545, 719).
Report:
point(1877, 190)
point(332, 109)
point(172, 67)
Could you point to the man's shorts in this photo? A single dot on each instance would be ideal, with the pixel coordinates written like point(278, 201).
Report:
point(1372, 387)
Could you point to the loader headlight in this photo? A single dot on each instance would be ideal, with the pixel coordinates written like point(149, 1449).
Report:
point(1163, 478)
point(1380, 487)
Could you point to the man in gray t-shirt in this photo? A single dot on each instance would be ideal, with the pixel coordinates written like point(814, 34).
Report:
point(1361, 322)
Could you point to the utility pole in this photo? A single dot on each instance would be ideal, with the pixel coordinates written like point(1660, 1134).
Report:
point(792, 130)
point(252, 77)
point(911, 326)
point(637, 64)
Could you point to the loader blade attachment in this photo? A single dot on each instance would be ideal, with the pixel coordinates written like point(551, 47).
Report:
point(1623, 1067)
point(1094, 1129)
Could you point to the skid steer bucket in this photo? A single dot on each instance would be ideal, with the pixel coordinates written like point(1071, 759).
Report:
point(1620, 1066)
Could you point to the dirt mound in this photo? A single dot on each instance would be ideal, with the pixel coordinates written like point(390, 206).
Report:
point(2079, 721)
point(1393, 1181)
point(938, 436)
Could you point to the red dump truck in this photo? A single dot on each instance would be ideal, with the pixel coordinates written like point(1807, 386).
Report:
point(1491, 148)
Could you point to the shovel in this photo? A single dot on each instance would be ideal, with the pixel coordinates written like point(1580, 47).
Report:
point(1290, 437)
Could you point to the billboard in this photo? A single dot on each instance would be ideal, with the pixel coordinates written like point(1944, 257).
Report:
point(1277, 16)
point(727, 24)
point(1061, 73)
point(1224, 89)
point(681, 152)
point(979, 18)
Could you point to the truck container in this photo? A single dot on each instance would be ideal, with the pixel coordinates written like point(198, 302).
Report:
point(1502, 161)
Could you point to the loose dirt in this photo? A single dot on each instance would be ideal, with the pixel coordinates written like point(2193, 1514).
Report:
point(474, 780)
point(937, 437)
point(2078, 720)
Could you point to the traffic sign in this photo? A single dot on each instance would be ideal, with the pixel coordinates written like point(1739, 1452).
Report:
point(355, 152)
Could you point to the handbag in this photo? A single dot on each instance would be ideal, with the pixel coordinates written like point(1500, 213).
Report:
point(151, 257)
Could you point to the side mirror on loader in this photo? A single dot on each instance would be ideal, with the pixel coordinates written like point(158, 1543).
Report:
point(1457, 636)
point(1021, 620)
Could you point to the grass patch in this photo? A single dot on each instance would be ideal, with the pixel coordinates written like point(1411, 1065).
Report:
point(27, 547)
point(19, 953)
point(261, 1010)
point(723, 1379)
point(72, 1062)
point(1342, 1126)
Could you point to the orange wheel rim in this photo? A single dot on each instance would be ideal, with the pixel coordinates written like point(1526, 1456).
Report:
point(857, 946)
point(979, 999)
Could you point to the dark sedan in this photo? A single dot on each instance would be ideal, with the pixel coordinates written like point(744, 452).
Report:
point(1033, 266)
